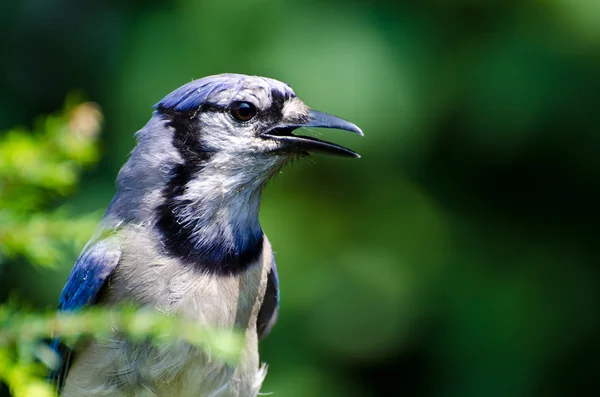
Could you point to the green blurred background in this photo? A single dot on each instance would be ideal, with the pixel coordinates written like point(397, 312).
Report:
point(457, 258)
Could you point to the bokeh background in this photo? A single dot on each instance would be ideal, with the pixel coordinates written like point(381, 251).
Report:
point(457, 257)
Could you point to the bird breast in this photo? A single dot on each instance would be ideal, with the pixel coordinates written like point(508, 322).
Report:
point(176, 368)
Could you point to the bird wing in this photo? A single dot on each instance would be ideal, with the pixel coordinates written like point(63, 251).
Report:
point(94, 266)
point(267, 316)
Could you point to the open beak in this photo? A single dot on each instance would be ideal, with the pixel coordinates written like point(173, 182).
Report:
point(301, 143)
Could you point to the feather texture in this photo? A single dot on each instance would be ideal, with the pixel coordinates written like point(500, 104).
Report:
point(194, 94)
point(94, 266)
point(182, 237)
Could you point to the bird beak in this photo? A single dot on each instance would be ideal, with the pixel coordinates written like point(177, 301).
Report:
point(301, 143)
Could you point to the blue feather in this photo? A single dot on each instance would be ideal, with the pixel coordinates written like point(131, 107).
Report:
point(275, 277)
point(91, 271)
point(195, 94)
point(268, 313)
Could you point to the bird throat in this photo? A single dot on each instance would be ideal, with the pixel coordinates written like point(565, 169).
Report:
point(206, 225)
point(205, 228)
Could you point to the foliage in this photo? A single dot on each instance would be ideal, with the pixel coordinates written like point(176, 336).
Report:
point(21, 332)
point(38, 168)
point(457, 258)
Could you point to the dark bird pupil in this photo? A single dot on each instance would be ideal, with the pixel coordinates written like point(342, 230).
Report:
point(243, 111)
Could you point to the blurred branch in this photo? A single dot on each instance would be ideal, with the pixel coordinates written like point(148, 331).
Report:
point(21, 351)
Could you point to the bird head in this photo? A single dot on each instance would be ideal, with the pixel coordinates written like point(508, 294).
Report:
point(246, 120)
point(217, 139)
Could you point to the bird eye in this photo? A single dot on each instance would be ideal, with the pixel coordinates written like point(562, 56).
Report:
point(242, 111)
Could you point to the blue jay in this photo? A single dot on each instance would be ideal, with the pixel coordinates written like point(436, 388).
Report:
point(182, 237)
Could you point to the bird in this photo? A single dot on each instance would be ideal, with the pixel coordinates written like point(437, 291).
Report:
point(182, 236)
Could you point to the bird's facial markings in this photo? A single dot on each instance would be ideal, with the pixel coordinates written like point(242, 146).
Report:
point(179, 235)
point(268, 116)
point(274, 113)
point(232, 132)
point(241, 111)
